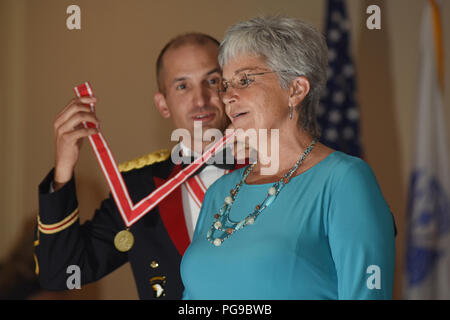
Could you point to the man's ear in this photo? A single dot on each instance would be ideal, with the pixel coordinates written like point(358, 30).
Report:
point(161, 105)
point(298, 89)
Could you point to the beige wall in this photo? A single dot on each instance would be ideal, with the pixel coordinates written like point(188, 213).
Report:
point(40, 62)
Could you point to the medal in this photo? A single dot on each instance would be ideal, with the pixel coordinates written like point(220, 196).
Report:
point(124, 240)
point(129, 211)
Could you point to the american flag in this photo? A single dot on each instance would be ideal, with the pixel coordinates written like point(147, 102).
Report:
point(338, 112)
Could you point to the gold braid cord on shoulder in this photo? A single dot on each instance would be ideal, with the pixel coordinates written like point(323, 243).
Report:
point(146, 160)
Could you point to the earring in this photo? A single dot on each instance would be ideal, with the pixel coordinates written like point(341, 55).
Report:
point(291, 111)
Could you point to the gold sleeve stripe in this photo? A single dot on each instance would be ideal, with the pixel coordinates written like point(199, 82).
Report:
point(63, 221)
point(36, 269)
point(36, 243)
point(145, 160)
point(59, 226)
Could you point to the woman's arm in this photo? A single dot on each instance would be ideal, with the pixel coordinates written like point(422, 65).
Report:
point(361, 235)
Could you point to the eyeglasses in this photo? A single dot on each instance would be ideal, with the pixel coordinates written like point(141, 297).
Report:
point(241, 80)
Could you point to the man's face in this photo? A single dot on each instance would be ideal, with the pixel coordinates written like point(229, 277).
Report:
point(190, 76)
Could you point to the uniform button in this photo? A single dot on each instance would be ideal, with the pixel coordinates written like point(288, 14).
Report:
point(154, 264)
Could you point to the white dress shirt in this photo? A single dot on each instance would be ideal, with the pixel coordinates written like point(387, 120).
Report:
point(190, 208)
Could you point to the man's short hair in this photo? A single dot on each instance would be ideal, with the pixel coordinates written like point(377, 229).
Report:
point(179, 41)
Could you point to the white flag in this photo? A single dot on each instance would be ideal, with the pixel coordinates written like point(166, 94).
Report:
point(428, 242)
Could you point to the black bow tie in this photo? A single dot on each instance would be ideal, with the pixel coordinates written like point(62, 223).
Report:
point(222, 160)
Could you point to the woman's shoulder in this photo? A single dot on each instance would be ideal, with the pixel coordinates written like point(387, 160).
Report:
point(349, 172)
point(342, 164)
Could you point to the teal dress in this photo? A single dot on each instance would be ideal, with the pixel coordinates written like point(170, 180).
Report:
point(328, 235)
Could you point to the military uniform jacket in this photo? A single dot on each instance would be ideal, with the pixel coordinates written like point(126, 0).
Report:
point(160, 237)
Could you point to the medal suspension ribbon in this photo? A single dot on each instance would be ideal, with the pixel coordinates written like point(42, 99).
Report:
point(196, 190)
point(129, 211)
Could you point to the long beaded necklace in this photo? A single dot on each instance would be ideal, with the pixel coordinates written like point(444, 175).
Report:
point(227, 227)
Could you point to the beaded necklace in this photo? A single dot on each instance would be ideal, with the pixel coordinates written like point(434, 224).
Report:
point(222, 222)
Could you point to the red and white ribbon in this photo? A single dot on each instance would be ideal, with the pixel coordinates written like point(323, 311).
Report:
point(196, 189)
point(129, 211)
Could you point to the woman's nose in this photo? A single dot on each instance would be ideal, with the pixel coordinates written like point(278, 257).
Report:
point(228, 96)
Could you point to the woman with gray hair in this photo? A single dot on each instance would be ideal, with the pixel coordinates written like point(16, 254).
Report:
point(317, 228)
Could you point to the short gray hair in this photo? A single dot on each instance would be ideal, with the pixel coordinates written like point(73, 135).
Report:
point(285, 44)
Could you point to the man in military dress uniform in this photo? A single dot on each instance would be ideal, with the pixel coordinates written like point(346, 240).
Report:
point(188, 74)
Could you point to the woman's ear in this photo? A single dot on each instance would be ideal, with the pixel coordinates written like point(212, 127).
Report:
point(298, 89)
point(161, 105)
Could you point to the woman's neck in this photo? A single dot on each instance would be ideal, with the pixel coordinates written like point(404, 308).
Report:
point(291, 146)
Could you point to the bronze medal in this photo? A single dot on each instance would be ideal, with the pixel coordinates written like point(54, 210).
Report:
point(124, 240)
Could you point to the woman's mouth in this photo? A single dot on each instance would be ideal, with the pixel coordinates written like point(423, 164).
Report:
point(237, 115)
